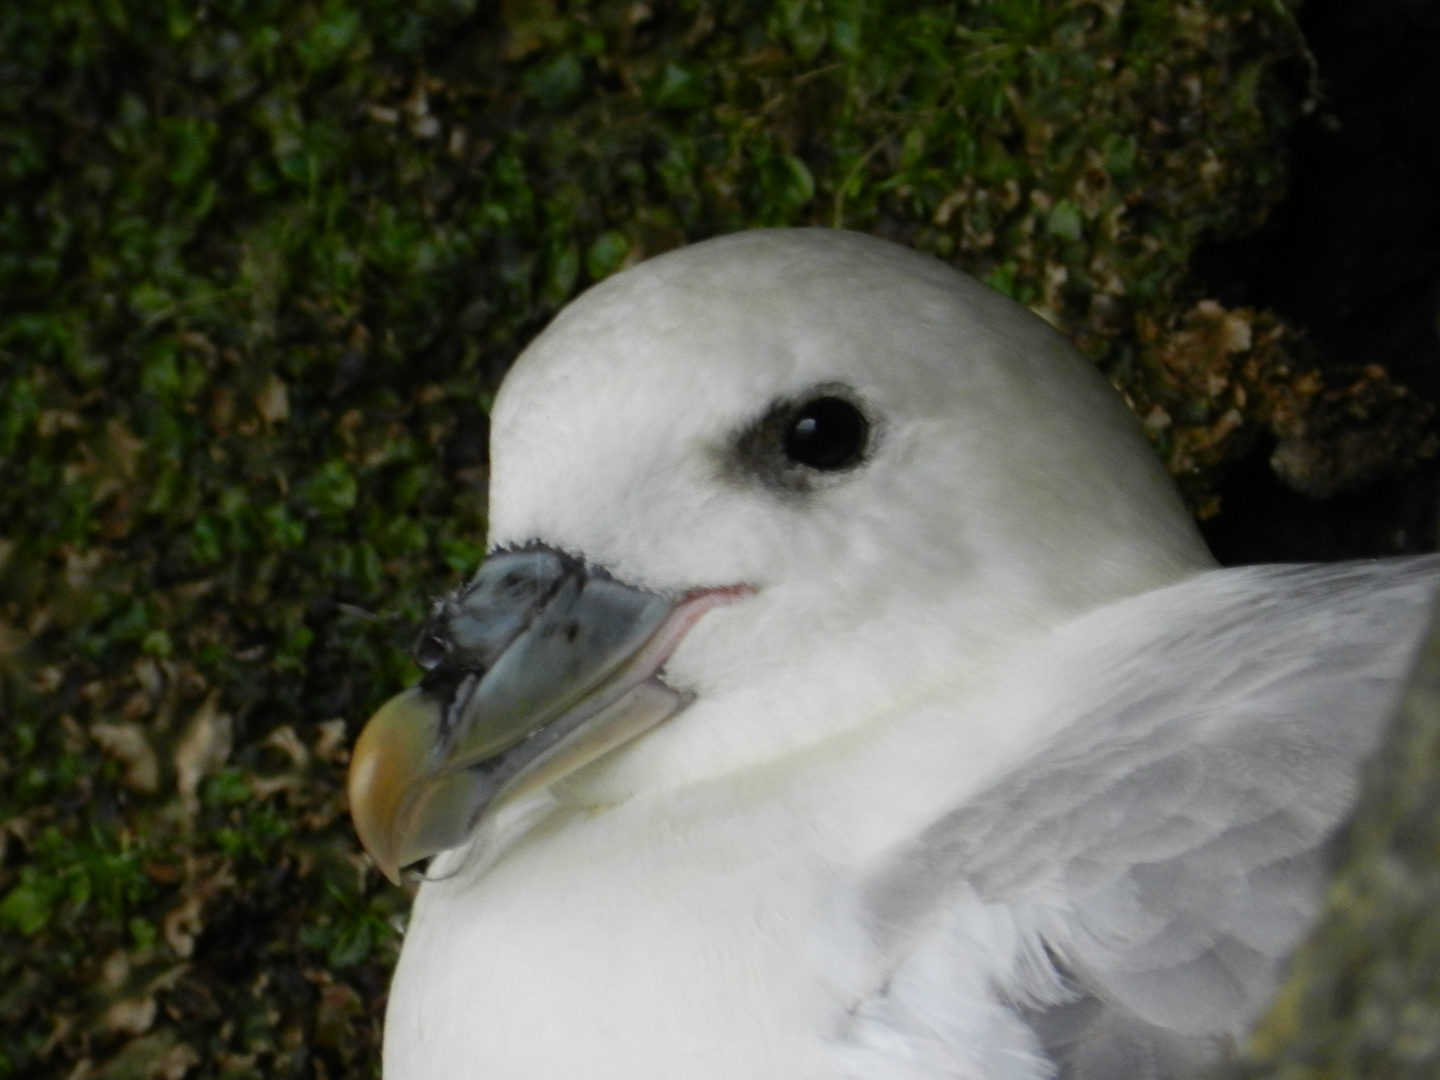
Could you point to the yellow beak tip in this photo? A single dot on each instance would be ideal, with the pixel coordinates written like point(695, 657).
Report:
point(392, 756)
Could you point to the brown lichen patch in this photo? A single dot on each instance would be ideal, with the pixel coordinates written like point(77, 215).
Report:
point(1219, 379)
point(1353, 428)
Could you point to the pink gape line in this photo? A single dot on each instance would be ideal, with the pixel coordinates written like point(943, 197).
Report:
point(691, 608)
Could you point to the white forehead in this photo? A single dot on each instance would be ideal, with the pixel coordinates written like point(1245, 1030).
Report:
point(764, 311)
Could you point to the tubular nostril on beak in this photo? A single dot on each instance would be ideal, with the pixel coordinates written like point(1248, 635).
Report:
point(431, 651)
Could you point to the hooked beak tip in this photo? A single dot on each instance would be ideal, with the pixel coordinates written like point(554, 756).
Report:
point(392, 754)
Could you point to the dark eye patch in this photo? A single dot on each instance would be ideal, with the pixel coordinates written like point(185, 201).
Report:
point(797, 443)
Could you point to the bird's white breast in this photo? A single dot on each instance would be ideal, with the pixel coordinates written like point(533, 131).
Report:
point(677, 929)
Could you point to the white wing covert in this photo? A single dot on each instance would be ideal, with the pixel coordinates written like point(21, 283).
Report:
point(1169, 846)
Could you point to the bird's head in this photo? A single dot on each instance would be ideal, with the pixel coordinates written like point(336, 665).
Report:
point(778, 459)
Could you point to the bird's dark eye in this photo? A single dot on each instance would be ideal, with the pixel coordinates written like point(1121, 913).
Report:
point(804, 443)
point(827, 433)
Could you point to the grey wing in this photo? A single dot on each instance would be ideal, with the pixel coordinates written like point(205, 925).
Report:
point(1178, 829)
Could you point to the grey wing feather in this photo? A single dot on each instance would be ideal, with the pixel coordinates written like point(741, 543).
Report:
point(1180, 824)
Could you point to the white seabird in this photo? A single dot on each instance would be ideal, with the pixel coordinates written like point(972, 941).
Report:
point(848, 696)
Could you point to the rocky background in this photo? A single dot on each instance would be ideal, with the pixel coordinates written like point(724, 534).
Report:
point(263, 262)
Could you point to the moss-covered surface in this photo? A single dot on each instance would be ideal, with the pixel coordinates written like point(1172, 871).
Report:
point(262, 263)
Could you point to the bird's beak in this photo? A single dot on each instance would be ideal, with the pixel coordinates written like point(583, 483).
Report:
point(536, 668)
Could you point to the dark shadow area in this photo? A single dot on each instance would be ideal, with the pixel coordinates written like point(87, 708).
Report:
point(1262, 520)
point(1353, 256)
